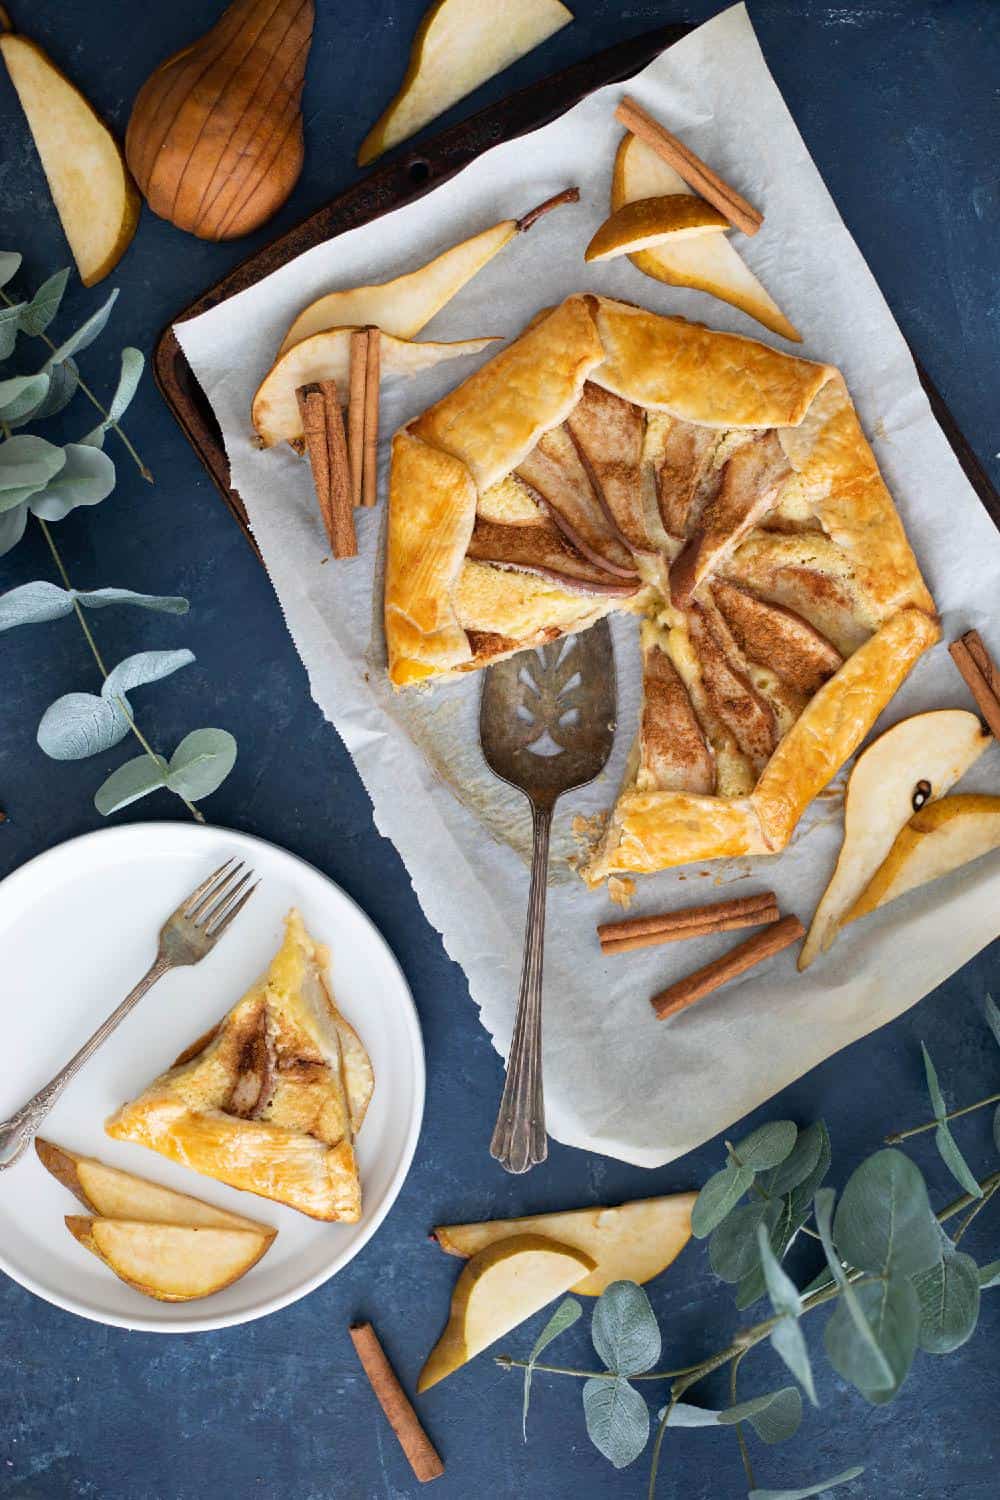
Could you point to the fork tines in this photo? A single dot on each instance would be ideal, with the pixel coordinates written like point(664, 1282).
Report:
point(220, 898)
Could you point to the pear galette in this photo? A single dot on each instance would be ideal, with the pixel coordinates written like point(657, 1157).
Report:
point(613, 459)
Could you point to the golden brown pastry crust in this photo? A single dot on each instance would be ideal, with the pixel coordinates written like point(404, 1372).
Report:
point(478, 435)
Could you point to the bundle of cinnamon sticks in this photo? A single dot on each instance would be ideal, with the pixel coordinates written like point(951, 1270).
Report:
point(344, 464)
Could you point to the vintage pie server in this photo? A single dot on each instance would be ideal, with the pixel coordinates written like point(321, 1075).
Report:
point(547, 724)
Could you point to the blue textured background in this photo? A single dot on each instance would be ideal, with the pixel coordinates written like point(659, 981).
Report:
point(897, 101)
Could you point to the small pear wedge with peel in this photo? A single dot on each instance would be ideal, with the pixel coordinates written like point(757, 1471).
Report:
point(914, 762)
point(646, 223)
point(406, 304)
point(171, 1262)
point(632, 1242)
point(708, 263)
point(939, 838)
point(326, 356)
point(113, 1194)
point(499, 1288)
point(95, 197)
point(459, 45)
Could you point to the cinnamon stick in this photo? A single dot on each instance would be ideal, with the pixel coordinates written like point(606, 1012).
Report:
point(369, 481)
point(356, 410)
point(738, 960)
point(687, 916)
point(423, 1456)
point(696, 173)
point(982, 678)
point(707, 927)
point(323, 431)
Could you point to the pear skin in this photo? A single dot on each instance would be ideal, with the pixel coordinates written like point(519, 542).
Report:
point(171, 1262)
point(938, 839)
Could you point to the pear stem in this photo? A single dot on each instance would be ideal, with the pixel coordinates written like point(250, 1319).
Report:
point(568, 195)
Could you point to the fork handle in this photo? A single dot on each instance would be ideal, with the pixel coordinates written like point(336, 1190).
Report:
point(519, 1141)
point(17, 1133)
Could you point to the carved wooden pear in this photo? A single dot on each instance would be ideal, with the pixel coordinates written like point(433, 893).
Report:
point(215, 138)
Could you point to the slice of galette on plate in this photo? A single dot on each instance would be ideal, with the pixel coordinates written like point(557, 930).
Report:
point(614, 459)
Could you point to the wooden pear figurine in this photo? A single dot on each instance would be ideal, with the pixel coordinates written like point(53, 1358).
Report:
point(215, 137)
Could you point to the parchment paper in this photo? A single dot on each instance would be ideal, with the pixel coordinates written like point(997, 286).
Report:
point(617, 1081)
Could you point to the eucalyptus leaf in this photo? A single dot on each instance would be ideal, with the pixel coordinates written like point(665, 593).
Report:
point(879, 1370)
point(822, 1488)
point(12, 524)
point(10, 324)
point(565, 1315)
point(989, 1276)
point(32, 603)
point(732, 1248)
point(132, 364)
point(87, 478)
point(683, 1415)
point(892, 1311)
point(884, 1222)
point(28, 462)
point(949, 1302)
point(799, 1165)
point(63, 381)
point(943, 1138)
point(617, 1419)
point(781, 1289)
point(80, 724)
point(44, 305)
point(144, 667)
point(993, 1017)
point(767, 1146)
point(718, 1198)
point(201, 763)
point(10, 264)
point(135, 779)
point(167, 604)
point(791, 1216)
point(773, 1417)
point(788, 1343)
point(21, 395)
point(625, 1332)
point(85, 334)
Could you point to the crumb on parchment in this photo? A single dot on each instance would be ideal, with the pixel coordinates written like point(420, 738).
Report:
point(621, 889)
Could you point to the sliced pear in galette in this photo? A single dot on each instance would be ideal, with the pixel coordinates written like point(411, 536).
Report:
point(611, 459)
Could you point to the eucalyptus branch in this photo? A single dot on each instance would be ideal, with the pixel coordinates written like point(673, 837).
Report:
point(955, 1114)
point(661, 1433)
point(94, 401)
point(744, 1450)
point(976, 1208)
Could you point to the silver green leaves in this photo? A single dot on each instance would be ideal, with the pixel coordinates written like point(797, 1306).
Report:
point(943, 1138)
point(565, 1315)
point(767, 1146)
point(34, 603)
point(199, 765)
point(824, 1486)
point(718, 1198)
point(81, 724)
point(876, 1365)
point(774, 1416)
point(44, 305)
point(617, 1419)
point(884, 1222)
point(786, 1337)
point(948, 1294)
point(627, 1339)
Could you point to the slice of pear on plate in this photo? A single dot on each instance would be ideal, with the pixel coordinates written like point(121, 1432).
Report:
point(708, 263)
point(914, 762)
point(941, 837)
point(631, 1242)
point(499, 1288)
point(171, 1262)
point(326, 356)
point(458, 46)
point(95, 197)
point(647, 223)
point(113, 1194)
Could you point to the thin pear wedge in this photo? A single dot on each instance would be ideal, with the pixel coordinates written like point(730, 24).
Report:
point(632, 1242)
point(646, 223)
point(708, 263)
point(171, 1262)
point(94, 195)
point(112, 1194)
point(326, 356)
point(914, 762)
point(500, 1287)
point(938, 839)
point(458, 46)
point(405, 305)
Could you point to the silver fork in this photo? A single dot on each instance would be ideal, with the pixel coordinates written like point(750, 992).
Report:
point(188, 934)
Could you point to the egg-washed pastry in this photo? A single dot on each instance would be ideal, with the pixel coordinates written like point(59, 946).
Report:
point(272, 1098)
point(614, 459)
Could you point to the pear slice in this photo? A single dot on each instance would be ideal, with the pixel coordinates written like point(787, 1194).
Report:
point(327, 356)
point(171, 1262)
point(113, 1194)
point(646, 223)
point(95, 197)
point(938, 839)
point(633, 1242)
point(501, 1286)
point(709, 263)
point(406, 304)
point(916, 761)
point(459, 45)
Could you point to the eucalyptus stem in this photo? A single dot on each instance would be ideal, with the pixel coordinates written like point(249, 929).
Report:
point(976, 1208)
point(661, 1432)
point(988, 1187)
point(122, 707)
point(954, 1114)
point(744, 1450)
point(85, 388)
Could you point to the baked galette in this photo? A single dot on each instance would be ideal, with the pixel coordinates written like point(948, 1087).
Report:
point(613, 459)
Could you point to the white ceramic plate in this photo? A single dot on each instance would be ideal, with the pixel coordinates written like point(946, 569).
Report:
point(78, 927)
